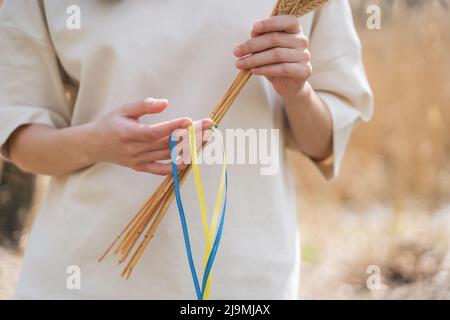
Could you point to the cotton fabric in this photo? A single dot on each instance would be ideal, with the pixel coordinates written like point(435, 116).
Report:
point(181, 50)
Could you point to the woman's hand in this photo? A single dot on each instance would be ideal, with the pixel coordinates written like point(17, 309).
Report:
point(118, 138)
point(125, 141)
point(278, 50)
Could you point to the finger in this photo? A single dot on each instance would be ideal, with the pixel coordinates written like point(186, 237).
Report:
point(286, 23)
point(160, 169)
point(183, 148)
point(147, 106)
point(269, 41)
point(153, 156)
point(200, 137)
point(139, 132)
point(200, 125)
point(153, 133)
point(295, 71)
point(140, 147)
point(276, 55)
point(163, 143)
point(203, 124)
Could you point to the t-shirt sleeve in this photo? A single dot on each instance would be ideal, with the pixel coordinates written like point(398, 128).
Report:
point(31, 86)
point(339, 77)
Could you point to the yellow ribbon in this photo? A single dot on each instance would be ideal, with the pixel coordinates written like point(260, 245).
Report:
point(210, 230)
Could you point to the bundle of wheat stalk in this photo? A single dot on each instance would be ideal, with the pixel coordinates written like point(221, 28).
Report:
point(144, 225)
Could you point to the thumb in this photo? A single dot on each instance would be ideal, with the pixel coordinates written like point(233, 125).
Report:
point(147, 106)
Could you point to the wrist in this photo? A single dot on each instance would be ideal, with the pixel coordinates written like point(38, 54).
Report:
point(88, 142)
point(301, 97)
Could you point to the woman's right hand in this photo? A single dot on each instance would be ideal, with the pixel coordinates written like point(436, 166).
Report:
point(121, 139)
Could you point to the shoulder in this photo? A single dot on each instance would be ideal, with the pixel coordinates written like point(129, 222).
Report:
point(336, 11)
point(24, 17)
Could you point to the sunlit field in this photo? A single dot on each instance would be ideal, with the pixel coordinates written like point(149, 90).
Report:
point(390, 208)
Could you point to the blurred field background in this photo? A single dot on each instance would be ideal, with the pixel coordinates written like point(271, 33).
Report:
point(391, 205)
point(390, 208)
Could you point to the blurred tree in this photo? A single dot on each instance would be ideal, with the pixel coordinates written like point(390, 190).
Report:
point(16, 193)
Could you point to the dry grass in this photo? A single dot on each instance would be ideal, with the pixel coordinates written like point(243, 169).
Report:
point(383, 209)
point(404, 152)
point(9, 271)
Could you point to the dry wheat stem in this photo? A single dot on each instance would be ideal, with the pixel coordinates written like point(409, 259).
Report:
point(153, 211)
point(151, 232)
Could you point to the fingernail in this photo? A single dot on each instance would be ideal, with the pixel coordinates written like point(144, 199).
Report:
point(187, 123)
point(156, 102)
point(208, 123)
point(161, 102)
point(258, 26)
point(240, 64)
point(238, 51)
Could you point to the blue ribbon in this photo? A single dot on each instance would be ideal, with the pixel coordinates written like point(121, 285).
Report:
point(212, 255)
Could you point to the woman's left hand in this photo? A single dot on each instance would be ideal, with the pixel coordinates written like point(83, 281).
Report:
point(278, 50)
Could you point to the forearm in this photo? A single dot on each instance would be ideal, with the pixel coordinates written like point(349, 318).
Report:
point(311, 123)
point(44, 150)
point(118, 138)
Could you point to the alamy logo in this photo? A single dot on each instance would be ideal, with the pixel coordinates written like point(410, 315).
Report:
point(374, 19)
point(251, 146)
point(374, 280)
point(73, 281)
point(73, 21)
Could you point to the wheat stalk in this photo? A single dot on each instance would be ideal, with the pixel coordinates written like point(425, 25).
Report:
point(147, 220)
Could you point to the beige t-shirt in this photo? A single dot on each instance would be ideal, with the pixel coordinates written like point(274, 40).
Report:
point(180, 50)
